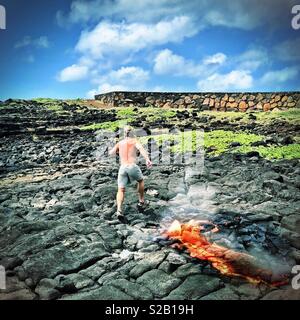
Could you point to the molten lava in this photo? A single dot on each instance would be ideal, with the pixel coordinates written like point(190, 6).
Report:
point(227, 261)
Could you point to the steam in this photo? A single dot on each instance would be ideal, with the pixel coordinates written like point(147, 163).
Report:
point(197, 204)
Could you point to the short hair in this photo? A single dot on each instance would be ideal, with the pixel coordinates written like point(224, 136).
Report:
point(128, 132)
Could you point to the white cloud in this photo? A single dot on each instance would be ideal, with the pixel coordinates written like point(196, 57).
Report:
point(166, 62)
point(120, 38)
point(218, 58)
point(104, 88)
point(73, 73)
point(109, 43)
point(246, 14)
point(128, 75)
point(41, 42)
point(130, 10)
point(117, 30)
point(123, 79)
point(251, 59)
point(232, 81)
point(280, 76)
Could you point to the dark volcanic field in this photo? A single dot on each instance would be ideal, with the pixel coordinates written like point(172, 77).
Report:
point(59, 238)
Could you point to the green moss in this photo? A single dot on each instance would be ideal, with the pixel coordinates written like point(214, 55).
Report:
point(154, 114)
point(151, 114)
point(291, 116)
point(45, 100)
point(188, 141)
point(75, 101)
point(222, 115)
point(178, 143)
point(219, 141)
point(215, 142)
point(126, 113)
point(291, 151)
point(54, 107)
point(109, 125)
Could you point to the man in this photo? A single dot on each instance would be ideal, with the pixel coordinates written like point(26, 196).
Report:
point(129, 171)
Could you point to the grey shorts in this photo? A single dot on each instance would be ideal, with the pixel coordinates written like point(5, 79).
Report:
point(129, 173)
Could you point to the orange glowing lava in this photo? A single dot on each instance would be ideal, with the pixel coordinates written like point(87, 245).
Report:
point(227, 261)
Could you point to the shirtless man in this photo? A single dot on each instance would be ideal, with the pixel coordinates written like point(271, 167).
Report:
point(129, 171)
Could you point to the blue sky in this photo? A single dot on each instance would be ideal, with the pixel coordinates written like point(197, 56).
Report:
point(72, 49)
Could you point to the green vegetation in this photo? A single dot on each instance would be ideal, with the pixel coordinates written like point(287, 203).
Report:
point(291, 116)
point(154, 114)
point(109, 125)
point(181, 142)
point(45, 100)
point(75, 101)
point(151, 114)
point(126, 113)
point(215, 142)
point(219, 141)
point(291, 151)
point(228, 115)
point(55, 108)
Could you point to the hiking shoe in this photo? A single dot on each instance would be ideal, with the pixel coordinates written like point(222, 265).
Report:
point(143, 205)
point(121, 216)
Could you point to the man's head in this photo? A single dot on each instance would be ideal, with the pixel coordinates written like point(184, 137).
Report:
point(128, 132)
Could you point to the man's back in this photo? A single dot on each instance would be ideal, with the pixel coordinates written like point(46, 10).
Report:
point(128, 150)
point(129, 171)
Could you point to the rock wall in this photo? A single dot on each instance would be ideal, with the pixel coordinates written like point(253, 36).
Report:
point(204, 101)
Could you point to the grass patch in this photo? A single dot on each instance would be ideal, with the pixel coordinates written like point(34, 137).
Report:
point(219, 141)
point(46, 100)
point(222, 115)
point(291, 151)
point(291, 116)
point(182, 142)
point(55, 108)
point(126, 113)
point(154, 114)
point(75, 101)
point(215, 142)
point(151, 114)
point(109, 125)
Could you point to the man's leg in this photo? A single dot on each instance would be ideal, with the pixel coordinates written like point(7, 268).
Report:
point(141, 188)
point(120, 198)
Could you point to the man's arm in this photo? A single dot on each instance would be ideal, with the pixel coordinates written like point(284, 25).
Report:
point(114, 150)
point(144, 153)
